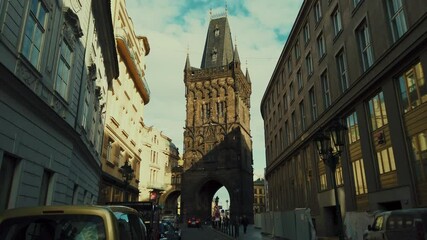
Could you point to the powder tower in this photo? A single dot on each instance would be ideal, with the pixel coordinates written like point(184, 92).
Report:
point(217, 138)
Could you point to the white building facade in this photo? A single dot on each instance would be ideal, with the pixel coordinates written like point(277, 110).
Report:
point(57, 62)
point(159, 156)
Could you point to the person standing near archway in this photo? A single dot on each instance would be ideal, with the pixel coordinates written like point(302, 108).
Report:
point(245, 222)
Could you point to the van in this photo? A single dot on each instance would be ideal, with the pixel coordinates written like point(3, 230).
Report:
point(401, 224)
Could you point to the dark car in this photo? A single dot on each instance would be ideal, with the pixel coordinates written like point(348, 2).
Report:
point(399, 225)
point(194, 222)
point(169, 232)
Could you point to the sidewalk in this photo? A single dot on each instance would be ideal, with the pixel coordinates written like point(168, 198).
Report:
point(252, 233)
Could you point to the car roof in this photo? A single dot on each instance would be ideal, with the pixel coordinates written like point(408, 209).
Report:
point(404, 211)
point(99, 210)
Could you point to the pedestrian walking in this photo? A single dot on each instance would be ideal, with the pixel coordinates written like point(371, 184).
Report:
point(245, 223)
point(236, 224)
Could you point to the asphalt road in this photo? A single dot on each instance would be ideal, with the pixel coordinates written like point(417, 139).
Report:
point(205, 233)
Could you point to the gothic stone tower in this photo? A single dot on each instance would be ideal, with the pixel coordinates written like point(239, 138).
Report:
point(217, 140)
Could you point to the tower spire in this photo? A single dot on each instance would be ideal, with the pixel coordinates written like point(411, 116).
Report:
point(187, 60)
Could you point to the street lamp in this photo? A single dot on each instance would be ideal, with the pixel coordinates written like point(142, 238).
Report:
point(127, 175)
point(330, 158)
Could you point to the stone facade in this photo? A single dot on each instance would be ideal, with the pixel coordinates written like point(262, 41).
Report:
point(361, 62)
point(217, 140)
point(56, 66)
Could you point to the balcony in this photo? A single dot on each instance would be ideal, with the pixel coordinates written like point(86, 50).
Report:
point(156, 186)
point(128, 56)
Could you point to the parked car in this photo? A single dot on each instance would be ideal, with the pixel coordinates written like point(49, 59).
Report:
point(169, 232)
point(173, 219)
point(72, 222)
point(402, 224)
point(194, 222)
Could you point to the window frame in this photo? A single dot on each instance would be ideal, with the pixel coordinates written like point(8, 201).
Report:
point(326, 91)
point(398, 15)
point(342, 69)
point(28, 43)
point(63, 87)
point(336, 21)
point(365, 45)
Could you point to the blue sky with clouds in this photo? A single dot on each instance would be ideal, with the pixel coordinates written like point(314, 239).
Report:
point(175, 27)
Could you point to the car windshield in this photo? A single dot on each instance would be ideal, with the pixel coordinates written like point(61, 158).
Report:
point(53, 227)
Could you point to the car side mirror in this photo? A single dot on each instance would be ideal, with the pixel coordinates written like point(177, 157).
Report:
point(369, 227)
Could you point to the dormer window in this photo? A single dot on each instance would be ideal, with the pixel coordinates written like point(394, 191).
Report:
point(214, 54)
point(216, 31)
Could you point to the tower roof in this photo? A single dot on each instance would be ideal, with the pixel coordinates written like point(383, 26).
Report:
point(187, 62)
point(218, 46)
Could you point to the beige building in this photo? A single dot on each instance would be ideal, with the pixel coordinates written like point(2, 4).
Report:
point(57, 63)
point(259, 196)
point(363, 63)
point(124, 128)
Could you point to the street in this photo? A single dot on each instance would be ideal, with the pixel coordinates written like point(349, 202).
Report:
point(208, 233)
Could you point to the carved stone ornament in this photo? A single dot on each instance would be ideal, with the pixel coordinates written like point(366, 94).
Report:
point(25, 74)
point(73, 21)
point(76, 5)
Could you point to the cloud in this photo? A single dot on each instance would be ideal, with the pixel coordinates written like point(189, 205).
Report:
point(175, 28)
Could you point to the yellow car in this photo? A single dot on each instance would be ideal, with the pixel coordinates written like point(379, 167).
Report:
point(72, 222)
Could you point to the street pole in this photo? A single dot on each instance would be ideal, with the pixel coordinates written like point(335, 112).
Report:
point(337, 204)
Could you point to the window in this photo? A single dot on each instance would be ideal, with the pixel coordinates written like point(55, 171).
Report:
point(85, 114)
point(321, 48)
point(317, 11)
point(297, 50)
point(419, 150)
point(339, 179)
point(35, 29)
point(309, 65)
point(285, 102)
point(313, 104)
point(302, 113)
point(206, 111)
point(359, 177)
point(299, 80)
point(377, 111)
point(413, 88)
point(365, 46)
point(342, 70)
point(289, 65)
point(294, 126)
point(397, 18)
point(336, 21)
point(291, 92)
point(282, 142)
point(386, 161)
point(356, 2)
point(326, 91)
point(353, 128)
point(63, 71)
point(7, 171)
point(45, 187)
point(306, 32)
point(323, 182)
point(109, 150)
point(286, 135)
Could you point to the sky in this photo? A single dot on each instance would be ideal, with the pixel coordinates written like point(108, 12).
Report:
point(174, 28)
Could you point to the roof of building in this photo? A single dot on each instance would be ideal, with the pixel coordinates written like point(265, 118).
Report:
point(218, 46)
